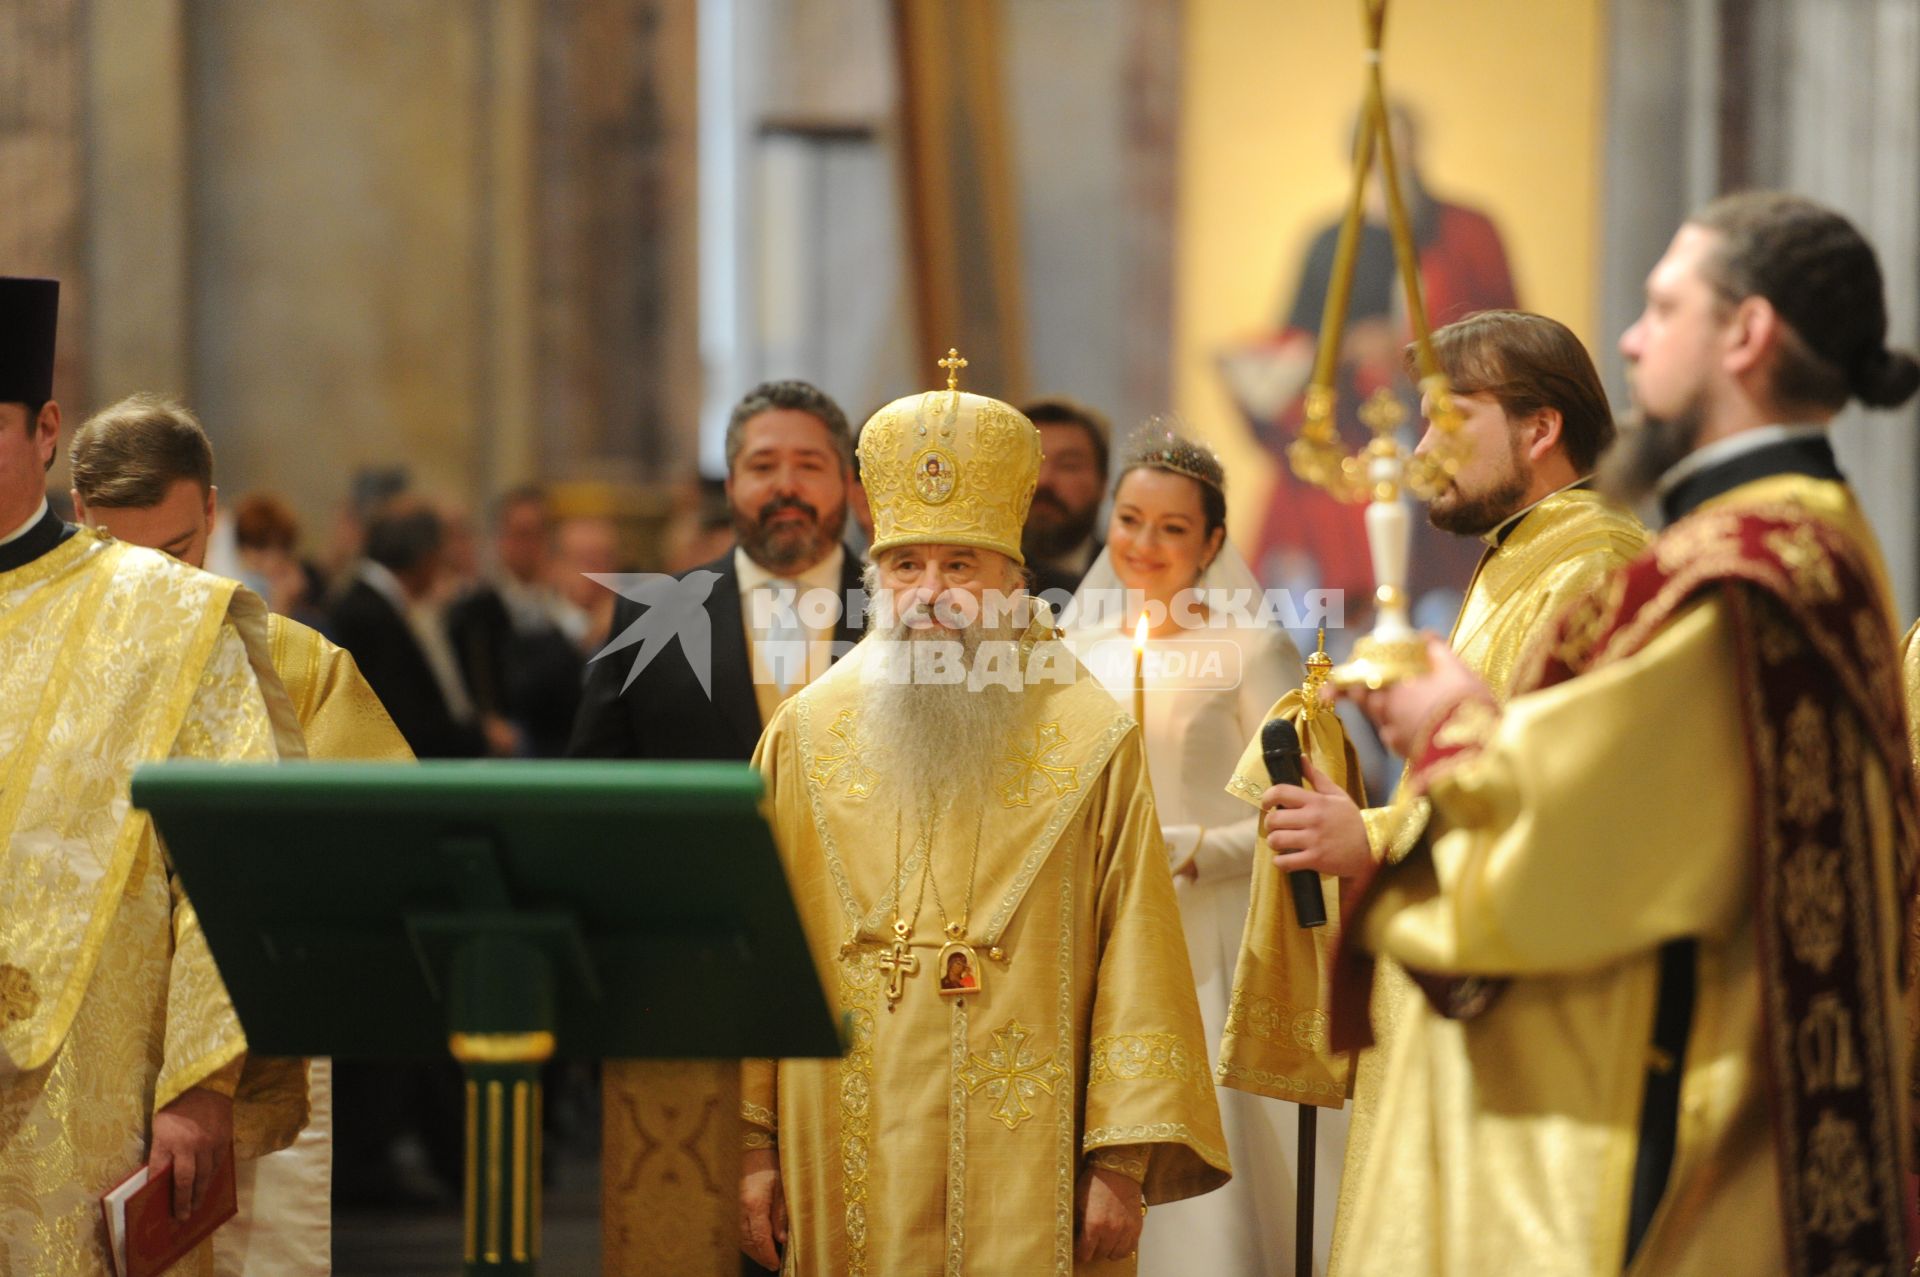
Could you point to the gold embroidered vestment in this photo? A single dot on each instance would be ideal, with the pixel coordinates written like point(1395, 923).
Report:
point(950, 1137)
point(110, 1005)
point(1562, 549)
point(1575, 833)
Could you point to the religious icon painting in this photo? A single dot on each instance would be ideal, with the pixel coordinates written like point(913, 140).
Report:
point(959, 970)
point(934, 474)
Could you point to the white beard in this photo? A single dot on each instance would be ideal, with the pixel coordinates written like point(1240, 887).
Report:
point(939, 744)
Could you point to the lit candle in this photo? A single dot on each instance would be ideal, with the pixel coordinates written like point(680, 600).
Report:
point(1140, 672)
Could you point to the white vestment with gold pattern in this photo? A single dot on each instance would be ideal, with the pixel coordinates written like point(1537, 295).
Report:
point(110, 1005)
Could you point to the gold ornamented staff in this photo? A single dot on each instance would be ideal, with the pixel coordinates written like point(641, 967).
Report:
point(1378, 473)
point(1319, 666)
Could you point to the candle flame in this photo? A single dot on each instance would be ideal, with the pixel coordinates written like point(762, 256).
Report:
point(1140, 635)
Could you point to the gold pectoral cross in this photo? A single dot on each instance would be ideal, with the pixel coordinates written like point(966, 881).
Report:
point(899, 963)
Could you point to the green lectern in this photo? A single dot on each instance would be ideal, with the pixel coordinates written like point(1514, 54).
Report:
point(502, 911)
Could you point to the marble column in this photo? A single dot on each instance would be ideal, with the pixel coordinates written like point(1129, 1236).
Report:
point(42, 171)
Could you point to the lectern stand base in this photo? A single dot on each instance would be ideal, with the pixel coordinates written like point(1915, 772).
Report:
point(502, 1174)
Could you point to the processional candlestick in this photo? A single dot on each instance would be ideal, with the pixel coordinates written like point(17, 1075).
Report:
point(1378, 473)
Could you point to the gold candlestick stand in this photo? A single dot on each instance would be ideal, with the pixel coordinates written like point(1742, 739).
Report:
point(1378, 473)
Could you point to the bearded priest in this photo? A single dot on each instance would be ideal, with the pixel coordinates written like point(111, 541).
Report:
point(1664, 919)
point(965, 817)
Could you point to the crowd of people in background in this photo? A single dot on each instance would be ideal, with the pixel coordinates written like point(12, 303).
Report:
point(477, 634)
point(1654, 1009)
point(477, 637)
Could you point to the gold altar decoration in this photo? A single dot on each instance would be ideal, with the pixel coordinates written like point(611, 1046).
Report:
point(1379, 473)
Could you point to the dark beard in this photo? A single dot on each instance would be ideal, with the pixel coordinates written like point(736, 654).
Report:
point(1049, 539)
point(788, 549)
point(1478, 515)
point(1646, 449)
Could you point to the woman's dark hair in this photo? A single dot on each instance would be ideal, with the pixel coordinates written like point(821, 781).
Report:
point(1166, 450)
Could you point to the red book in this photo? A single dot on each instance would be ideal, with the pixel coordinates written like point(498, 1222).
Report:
point(145, 1237)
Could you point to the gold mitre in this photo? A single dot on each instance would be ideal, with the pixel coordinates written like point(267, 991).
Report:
point(949, 468)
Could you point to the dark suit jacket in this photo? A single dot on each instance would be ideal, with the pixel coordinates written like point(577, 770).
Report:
point(1055, 582)
point(385, 650)
point(665, 714)
point(532, 678)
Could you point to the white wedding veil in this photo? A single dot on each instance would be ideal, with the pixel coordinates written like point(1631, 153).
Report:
point(1100, 602)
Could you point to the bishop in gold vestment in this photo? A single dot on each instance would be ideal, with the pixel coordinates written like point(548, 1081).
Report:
point(110, 1005)
point(953, 1134)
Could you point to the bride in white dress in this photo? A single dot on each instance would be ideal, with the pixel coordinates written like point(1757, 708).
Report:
point(1210, 675)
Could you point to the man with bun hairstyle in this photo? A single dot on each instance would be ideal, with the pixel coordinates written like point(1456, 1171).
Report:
point(1662, 915)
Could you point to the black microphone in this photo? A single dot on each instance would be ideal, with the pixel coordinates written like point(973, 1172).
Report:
point(1281, 745)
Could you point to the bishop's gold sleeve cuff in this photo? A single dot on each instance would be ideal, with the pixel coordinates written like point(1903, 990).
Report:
point(1148, 1081)
point(1122, 1159)
point(759, 1118)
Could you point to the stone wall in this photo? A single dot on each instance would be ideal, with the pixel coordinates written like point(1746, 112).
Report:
point(454, 235)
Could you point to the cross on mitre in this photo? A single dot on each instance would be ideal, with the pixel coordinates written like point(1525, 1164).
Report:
point(953, 363)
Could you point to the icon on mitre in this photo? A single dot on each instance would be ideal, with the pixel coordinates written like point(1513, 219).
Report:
point(934, 474)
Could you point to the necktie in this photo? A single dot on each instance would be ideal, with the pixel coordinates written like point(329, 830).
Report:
point(786, 638)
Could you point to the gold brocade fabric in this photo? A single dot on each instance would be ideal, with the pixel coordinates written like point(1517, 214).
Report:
point(1275, 1043)
point(1910, 681)
point(110, 657)
point(1594, 826)
point(949, 467)
point(670, 1167)
point(1564, 547)
point(951, 1136)
point(340, 716)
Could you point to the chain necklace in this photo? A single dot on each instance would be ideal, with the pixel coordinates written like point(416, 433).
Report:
point(959, 968)
point(956, 930)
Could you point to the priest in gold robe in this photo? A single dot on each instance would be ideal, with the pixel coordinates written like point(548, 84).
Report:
point(1662, 918)
point(1001, 825)
point(143, 474)
point(1535, 420)
point(118, 1045)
